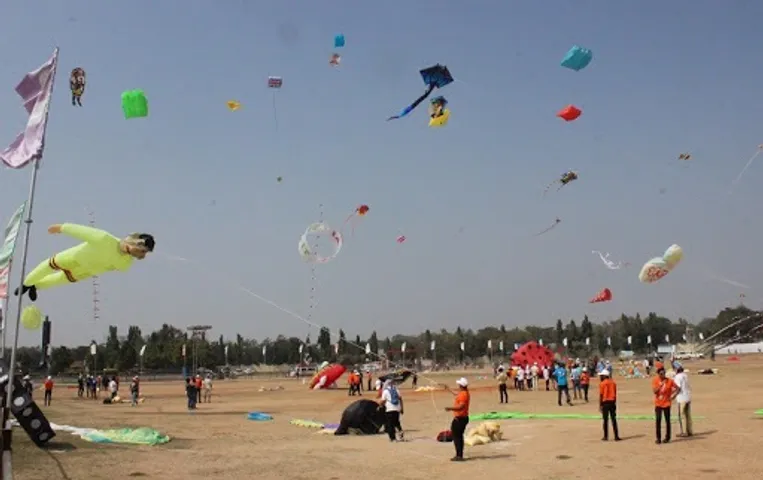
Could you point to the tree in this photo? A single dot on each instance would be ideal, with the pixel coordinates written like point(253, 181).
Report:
point(559, 336)
point(373, 343)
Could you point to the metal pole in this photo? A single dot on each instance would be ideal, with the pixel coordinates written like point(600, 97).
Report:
point(7, 463)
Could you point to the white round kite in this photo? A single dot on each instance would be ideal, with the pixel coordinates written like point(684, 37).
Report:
point(308, 248)
point(658, 267)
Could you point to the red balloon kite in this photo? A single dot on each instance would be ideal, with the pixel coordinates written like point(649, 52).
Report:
point(569, 113)
point(603, 296)
point(532, 352)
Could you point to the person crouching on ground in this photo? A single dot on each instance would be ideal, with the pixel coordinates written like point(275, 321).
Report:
point(460, 411)
point(393, 408)
point(608, 404)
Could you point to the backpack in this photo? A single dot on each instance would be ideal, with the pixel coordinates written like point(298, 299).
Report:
point(394, 396)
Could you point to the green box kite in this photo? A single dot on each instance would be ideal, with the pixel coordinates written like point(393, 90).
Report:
point(134, 104)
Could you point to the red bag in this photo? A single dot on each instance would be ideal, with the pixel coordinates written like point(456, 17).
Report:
point(445, 436)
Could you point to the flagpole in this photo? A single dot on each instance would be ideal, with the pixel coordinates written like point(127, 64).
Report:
point(7, 463)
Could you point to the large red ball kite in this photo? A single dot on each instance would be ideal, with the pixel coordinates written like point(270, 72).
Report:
point(569, 113)
point(532, 352)
point(603, 296)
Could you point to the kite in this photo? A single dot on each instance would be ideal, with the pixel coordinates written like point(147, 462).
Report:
point(275, 83)
point(609, 263)
point(438, 114)
point(134, 104)
point(557, 222)
point(577, 58)
point(233, 105)
point(604, 295)
point(361, 416)
point(684, 156)
point(335, 60)
point(566, 178)
point(31, 317)
point(658, 267)
point(279, 179)
point(339, 41)
point(308, 253)
point(436, 76)
point(532, 353)
point(400, 239)
point(99, 253)
point(360, 211)
point(749, 162)
point(326, 376)
point(77, 85)
point(569, 113)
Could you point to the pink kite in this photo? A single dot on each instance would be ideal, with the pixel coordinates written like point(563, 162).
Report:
point(401, 239)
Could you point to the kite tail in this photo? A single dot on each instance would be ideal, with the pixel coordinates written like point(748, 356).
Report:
point(749, 162)
point(548, 187)
point(548, 229)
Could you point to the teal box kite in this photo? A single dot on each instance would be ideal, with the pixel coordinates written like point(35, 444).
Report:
point(134, 104)
point(577, 58)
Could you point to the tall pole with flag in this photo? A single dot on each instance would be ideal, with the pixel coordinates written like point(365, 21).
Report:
point(6, 261)
point(36, 90)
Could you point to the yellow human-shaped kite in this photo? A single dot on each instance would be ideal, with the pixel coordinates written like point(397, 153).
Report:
point(99, 253)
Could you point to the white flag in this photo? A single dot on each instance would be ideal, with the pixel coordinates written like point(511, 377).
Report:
point(336, 348)
point(684, 337)
point(516, 346)
point(300, 348)
point(50, 351)
point(402, 347)
point(462, 346)
point(609, 341)
point(667, 338)
point(587, 340)
point(368, 349)
point(142, 350)
point(564, 341)
point(701, 337)
point(182, 351)
point(500, 345)
point(489, 344)
point(540, 341)
point(630, 340)
point(226, 350)
point(648, 339)
point(264, 350)
point(431, 346)
point(92, 349)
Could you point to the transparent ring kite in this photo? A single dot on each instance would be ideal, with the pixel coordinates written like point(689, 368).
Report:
point(309, 253)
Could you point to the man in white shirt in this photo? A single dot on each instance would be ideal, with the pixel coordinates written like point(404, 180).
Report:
point(684, 401)
point(521, 378)
point(113, 388)
point(208, 389)
point(534, 374)
point(393, 408)
point(546, 376)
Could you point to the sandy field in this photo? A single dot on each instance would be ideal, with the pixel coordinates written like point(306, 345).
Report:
point(217, 441)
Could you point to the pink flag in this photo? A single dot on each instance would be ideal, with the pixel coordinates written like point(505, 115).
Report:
point(35, 89)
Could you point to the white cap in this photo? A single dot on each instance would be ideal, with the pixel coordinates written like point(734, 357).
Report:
point(604, 372)
point(463, 382)
point(50, 378)
point(585, 369)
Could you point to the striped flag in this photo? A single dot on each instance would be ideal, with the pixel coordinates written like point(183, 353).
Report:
point(8, 248)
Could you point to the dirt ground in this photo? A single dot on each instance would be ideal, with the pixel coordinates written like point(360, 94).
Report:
point(217, 441)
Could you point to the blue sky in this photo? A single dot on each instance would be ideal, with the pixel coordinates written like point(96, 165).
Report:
point(666, 79)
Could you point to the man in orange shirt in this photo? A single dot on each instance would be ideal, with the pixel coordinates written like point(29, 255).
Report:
point(48, 390)
point(460, 411)
point(585, 382)
point(608, 404)
point(665, 390)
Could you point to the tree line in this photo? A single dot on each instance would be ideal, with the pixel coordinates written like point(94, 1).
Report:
point(164, 348)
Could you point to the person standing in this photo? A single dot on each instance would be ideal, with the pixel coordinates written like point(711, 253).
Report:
point(113, 387)
point(415, 381)
point(585, 382)
point(28, 385)
point(577, 392)
point(393, 408)
point(665, 390)
point(198, 383)
point(48, 390)
point(80, 385)
point(134, 391)
point(520, 378)
point(208, 389)
point(608, 404)
point(560, 374)
point(460, 411)
point(369, 380)
point(502, 388)
point(190, 392)
point(684, 401)
point(546, 376)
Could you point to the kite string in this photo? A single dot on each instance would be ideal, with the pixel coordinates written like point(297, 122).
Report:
point(313, 280)
point(296, 316)
point(749, 162)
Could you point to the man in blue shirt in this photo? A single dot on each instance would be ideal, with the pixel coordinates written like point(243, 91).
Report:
point(560, 373)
